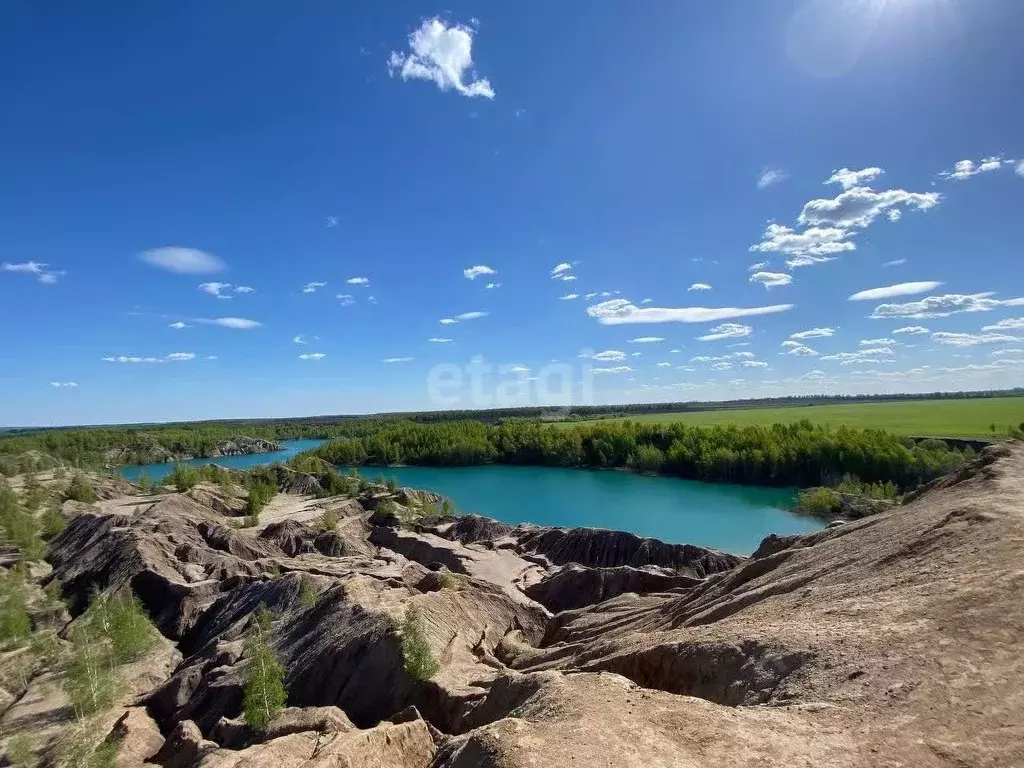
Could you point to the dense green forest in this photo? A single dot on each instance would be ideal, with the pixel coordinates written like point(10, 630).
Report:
point(99, 446)
point(798, 454)
point(87, 446)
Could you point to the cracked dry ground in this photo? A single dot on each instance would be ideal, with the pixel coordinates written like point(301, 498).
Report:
point(891, 641)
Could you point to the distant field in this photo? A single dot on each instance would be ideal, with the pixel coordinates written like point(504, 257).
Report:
point(935, 418)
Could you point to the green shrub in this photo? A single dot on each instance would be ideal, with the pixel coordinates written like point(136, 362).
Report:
point(52, 522)
point(453, 581)
point(308, 594)
point(818, 501)
point(328, 521)
point(263, 694)
point(91, 681)
point(80, 490)
point(183, 477)
point(78, 748)
point(418, 659)
point(15, 624)
point(21, 751)
point(260, 495)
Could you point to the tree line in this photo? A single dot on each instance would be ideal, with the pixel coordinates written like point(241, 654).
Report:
point(89, 446)
point(798, 454)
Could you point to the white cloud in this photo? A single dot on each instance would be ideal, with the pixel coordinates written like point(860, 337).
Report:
point(560, 268)
point(566, 278)
point(312, 356)
point(443, 55)
point(758, 266)
point(472, 273)
point(801, 351)
point(869, 355)
point(231, 322)
point(754, 364)
point(64, 384)
point(892, 291)
point(613, 369)
point(943, 306)
point(608, 356)
point(311, 287)
point(973, 339)
point(894, 215)
point(814, 245)
point(439, 340)
point(170, 358)
point(471, 315)
point(813, 333)
point(184, 261)
point(214, 289)
point(36, 268)
point(621, 311)
point(1002, 352)
point(300, 339)
point(771, 279)
point(1009, 324)
point(569, 296)
point(178, 325)
point(699, 287)
point(722, 366)
point(645, 301)
point(397, 360)
point(664, 364)
point(727, 331)
point(646, 340)
point(848, 179)
point(860, 206)
point(964, 169)
point(448, 321)
point(516, 369)
point(363, 281)
point(332, 221)
point(913, 330)
point(771, 176)
point(877, 342)
point(493, 285)
point(1020, 168)
point(244, 289)
point(346, 299)
point(895, 263)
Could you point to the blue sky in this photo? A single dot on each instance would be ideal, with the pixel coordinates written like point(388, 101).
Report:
point(190, 189)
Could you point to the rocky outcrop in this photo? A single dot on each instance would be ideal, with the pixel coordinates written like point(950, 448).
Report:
point(599, 548)
point(574, 586)
point(591, 547)
point(240, 445)
point(890, 640)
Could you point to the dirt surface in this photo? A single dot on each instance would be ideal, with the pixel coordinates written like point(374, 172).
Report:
point(895, 640)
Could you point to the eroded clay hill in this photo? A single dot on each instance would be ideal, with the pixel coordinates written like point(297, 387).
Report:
point(896, 640)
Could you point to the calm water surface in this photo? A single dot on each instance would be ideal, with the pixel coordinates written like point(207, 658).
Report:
point(728, 517)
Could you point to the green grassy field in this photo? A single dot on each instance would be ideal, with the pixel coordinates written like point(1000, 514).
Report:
point(934, 418)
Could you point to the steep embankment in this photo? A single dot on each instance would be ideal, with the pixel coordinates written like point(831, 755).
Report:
point(152, 452)
point(893, 640)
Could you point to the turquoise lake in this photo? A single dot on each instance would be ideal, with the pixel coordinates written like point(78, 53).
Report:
point(732, 518)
